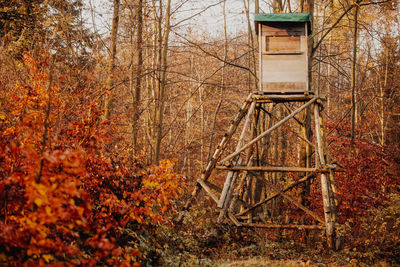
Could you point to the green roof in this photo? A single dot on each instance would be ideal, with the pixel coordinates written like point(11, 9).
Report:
point(284, 17)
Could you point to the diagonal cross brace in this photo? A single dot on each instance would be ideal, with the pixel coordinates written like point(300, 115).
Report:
point(237, 152)
point(302, 180)
point(291, 199)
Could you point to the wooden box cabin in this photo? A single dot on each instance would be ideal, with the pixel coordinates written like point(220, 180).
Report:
point(283, 52)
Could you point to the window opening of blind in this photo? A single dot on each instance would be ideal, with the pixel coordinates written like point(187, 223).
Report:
point(283, 45)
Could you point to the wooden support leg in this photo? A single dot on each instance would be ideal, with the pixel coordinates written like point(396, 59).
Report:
point(329, 211)
point(227, 197)
point(239, 187)
point(331, 177)
point(332, 187)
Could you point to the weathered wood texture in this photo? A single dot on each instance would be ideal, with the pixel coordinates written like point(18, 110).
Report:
point(282, 44)
point(268, 98)
point(329, 211)
point(270, 169)
point(208, 190)
point(284, 67)
point(283, 29)
point(283, 226)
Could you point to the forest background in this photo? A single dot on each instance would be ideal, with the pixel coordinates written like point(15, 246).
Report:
point(106, 127)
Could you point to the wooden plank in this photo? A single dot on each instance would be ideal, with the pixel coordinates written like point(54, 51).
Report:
point(208, 190)
point(269, 130)
point(230, 179)
point(284, 226)
point(213, 186)
point(282, 28)
point(275, 67)
point(308, 48)
point(297, 120)
point(282, 43)
point(284, 64)
point(233, 219)
point(284, 87)
point(330, 177)
point(290, 63)
point(284, 53)
point(269, 169)
point(281, 98)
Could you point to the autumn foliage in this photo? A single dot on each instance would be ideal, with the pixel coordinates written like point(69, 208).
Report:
point(64, 196)
point(367, 192)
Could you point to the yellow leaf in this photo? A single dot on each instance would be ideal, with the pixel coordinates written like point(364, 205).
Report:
point(42, 189)
point(48, 210)
point(47, 258)
point(127, 257)
point(38, 202)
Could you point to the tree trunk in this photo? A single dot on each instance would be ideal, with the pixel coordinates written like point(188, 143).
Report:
point(111, 61)
point(305, 116)
point(222, 86)
point(353, 75)
point(163, 81)
point(137, 71)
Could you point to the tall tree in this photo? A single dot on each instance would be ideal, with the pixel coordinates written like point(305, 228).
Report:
point(137, 73)
point(353, 74)
point(111, 61)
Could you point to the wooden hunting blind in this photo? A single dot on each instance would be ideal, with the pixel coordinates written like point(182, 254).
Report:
point(283, 52)
point(276, 160)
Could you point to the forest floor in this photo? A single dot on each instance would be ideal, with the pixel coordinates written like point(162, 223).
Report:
point(203, 243)
point(276, 254)
point(256, 262)
point(314, 260)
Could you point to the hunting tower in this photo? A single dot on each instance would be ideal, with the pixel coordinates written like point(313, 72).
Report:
point(281, 157)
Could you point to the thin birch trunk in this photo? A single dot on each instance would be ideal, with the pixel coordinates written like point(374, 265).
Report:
point(162, 86)
point(353, 75)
